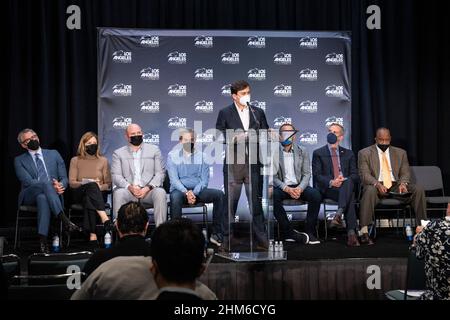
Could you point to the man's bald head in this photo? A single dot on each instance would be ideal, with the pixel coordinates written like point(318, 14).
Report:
point(133, 129)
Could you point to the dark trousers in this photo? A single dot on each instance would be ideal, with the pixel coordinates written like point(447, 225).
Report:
point(178, 198)
point(239, 175)
point(345, 198)
point(47, 201)
point(310, 195)
point(370, 199)
point(91, 198)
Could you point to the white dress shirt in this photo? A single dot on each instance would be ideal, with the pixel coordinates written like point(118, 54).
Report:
point(380, 157)
point(244, 114)
point(289, 171)
point(137, 167)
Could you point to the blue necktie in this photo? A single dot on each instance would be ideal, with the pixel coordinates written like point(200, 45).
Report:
point(42, 174)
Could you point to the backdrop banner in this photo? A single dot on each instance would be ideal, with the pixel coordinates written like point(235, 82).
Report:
point(169, 79)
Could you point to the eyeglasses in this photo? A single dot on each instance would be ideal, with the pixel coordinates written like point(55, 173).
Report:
point(33, 137)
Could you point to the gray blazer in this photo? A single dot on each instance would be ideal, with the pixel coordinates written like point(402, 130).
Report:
point(152, 166)
point(301, 167)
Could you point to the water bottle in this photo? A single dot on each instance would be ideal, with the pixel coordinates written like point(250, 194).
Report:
point(409, 233)
point(55, 243)
point(107, 240)
point(271, 248)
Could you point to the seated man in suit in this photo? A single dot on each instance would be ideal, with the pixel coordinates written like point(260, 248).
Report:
point(336, 176)
point(384, 168)
point(189, 177)
point(43, 176)
point(291, 181)
point(131, 224)
point(178, 259)
point(138, 173)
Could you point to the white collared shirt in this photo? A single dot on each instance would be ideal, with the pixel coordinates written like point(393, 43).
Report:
point(137, 167)
point(380, 157)
point(41, 156)
point(244, 114)
point(289, 170)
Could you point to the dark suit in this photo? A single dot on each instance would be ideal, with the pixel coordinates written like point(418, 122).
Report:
point(322, 167)
point(41, 193)
point(369, 171)
point(228, 118)
point(132, 245)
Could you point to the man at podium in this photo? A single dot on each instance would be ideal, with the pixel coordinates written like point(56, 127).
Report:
point(240, 124)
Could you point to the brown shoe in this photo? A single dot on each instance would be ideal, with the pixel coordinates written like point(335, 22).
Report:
point(336, 222)
point(365, 239)
point(352, 240)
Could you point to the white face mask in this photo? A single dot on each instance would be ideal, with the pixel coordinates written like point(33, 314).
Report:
point(244, 100)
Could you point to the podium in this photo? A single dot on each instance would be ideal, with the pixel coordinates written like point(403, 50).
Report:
point(249, 164)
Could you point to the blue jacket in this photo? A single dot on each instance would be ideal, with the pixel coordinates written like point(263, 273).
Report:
point(26, 170)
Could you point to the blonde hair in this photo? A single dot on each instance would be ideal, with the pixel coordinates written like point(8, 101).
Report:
point(81, 152)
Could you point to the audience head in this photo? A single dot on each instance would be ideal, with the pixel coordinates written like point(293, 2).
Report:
point(88, 145)
point(383, 138)
point(240, 92)
point(177, 249)
point(132, 219)
point(134, 134)
point(28, 139)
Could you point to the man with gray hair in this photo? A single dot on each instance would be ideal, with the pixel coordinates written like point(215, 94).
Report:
point(336, 176)
point(137, 171)
point(43, 176)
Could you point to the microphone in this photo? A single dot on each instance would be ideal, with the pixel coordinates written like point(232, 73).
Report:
point(253, 114)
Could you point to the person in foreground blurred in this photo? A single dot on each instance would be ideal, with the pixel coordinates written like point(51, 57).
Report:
point(132, 224)
point(432, 243)
point(178, 259)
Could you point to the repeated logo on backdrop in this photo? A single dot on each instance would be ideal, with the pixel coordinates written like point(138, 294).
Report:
point(165, 80)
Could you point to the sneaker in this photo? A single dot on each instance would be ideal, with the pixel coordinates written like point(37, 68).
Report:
point(313, 239)
point(299, 237)
point(216, 239)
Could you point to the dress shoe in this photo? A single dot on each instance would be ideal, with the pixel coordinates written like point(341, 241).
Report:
point(262, 245)
point(69, 225)
point(336, 222)
point(352, 240)
point(365, 239)
point(43, 247)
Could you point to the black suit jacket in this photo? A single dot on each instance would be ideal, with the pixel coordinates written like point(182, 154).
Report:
point(322, 167)
point(228, 118)
point(133, 245)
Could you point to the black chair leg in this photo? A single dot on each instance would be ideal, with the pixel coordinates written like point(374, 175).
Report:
point(16, 235)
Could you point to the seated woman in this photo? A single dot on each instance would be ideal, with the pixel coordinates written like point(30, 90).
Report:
point(89, 176)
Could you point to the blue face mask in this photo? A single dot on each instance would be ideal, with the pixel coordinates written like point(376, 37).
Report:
point(288, 137)
point(331, 138)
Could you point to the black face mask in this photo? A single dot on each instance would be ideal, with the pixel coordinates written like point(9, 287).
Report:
point(136, 140)
point(91, 149)
point(331, 138)
point(188, 146)
point(33, 145)
point(383, 147)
